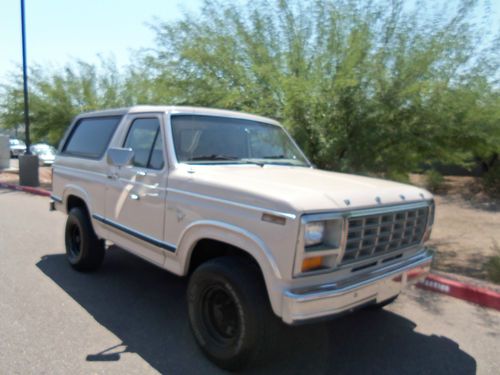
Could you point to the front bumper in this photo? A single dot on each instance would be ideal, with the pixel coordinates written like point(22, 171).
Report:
point(301, 305)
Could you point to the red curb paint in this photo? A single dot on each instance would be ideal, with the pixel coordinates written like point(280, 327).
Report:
point(27, 189)
point(480, 296)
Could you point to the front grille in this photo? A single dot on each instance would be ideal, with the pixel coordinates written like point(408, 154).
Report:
point(374, 235)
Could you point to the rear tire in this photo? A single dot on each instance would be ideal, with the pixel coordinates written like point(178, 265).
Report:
point(84, 251)
point(229, 312)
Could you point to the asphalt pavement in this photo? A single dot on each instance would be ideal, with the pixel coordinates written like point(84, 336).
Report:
point(130, 318)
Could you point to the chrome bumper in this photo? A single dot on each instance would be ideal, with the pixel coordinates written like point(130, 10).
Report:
point(300, 305)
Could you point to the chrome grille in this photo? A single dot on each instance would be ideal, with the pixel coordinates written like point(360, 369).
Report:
point(374, 235)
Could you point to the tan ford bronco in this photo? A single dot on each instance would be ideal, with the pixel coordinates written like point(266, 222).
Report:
point(230, 200)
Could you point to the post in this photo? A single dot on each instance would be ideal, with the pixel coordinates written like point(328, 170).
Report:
point(25, 84)
point(28, 164)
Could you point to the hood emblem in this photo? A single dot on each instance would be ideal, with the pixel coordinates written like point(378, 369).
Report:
point(378, 200)
point(347, 202)
point(402, 197)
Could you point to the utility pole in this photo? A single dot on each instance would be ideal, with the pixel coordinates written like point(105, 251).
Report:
point(25, 84)
point(28, 163)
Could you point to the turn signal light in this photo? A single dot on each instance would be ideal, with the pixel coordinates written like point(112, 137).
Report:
point(312, 263)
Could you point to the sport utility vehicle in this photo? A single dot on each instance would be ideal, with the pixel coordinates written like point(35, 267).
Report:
point(229, 200)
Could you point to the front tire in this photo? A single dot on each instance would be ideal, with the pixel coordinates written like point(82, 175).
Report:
point(229, 312)
point(84, 251)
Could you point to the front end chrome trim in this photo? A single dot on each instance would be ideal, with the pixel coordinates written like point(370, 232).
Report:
point(317, 301)
point(346, 213)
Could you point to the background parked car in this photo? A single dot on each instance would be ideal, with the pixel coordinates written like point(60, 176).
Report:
point(46, 153)
point(17, 147)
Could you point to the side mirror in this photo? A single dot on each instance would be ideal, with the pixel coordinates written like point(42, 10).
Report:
point(120, 157)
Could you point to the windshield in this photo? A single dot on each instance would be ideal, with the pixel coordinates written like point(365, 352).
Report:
point(209, 140)
point(43, 150)
point(16, 142)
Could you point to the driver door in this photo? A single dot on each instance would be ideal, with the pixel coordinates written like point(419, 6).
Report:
point(135, 196)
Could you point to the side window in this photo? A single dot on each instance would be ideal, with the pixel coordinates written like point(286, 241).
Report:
point(144, 137)
point(90, 137)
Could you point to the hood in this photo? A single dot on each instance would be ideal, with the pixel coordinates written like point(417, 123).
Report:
point(292, 189)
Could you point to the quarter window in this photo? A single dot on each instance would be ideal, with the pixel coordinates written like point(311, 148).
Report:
point(91, 136)
point(144, 138)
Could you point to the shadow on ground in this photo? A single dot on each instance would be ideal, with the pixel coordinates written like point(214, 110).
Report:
point(145, 308)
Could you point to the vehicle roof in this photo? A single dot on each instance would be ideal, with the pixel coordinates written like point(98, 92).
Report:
point(177, 110)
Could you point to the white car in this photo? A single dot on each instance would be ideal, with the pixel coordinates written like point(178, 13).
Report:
point(17, 147)
point(46, 153)
point(229, 200)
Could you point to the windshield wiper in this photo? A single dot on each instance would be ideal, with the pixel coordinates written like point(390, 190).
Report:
point(214, 157)
point(274, 157)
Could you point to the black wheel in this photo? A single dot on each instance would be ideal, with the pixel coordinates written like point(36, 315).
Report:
point(230, 313)
point(84, 251)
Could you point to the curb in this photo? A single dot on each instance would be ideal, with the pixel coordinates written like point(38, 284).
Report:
point(480, 296)
point(26, 189)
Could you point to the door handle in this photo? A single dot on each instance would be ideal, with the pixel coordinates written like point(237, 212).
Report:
point(141, 173)
point(134, 196)
point(112, 176)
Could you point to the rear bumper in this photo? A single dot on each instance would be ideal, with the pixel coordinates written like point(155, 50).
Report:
point(320, 301)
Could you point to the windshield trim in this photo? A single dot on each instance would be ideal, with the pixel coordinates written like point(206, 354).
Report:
point(246, 161)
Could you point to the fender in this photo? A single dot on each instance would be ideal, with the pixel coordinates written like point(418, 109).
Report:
point(77, 191)
point(235, 236)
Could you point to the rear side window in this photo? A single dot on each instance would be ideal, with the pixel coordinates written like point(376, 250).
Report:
point(144, 137)
point(91, 136)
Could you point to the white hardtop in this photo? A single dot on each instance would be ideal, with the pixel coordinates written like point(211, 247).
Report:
point(178, 110)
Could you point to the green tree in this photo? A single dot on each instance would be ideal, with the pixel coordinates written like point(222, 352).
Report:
point(364, 86)
point(57, 95)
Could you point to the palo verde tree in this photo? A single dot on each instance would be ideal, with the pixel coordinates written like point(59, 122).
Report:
point(57, 95)
point(364, 86)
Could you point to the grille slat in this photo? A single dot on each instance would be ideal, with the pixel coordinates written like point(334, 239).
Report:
point(375, 235)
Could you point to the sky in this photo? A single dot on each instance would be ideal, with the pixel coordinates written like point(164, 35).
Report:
point(58, 31)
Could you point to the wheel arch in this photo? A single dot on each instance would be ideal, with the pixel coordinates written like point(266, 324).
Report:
point(74, 196)
point(200, 236)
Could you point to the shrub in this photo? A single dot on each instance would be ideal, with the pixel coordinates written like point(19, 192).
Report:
point(491, 181)
point(398, 177)
point(434, 181)
point(493, 265)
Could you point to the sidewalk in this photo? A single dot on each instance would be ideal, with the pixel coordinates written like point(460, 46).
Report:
point(11, 175)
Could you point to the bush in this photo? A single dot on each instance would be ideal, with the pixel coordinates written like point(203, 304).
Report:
point(493, 265)
point(491, 181)
point(434, 181)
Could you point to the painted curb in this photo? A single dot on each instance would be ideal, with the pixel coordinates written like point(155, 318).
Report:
point(481, 296)
point(26, 189)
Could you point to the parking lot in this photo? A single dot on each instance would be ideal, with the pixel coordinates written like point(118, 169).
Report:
point(130, 317)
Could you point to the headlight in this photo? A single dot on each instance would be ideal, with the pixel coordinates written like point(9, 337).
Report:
point(314, 232)
point(321, 243)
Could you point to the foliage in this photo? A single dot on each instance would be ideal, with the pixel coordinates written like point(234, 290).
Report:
point(365, 86)
point(491, 181)
point(56, 96)
point(493, 265)
point(373, 87)
point(434, 180)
